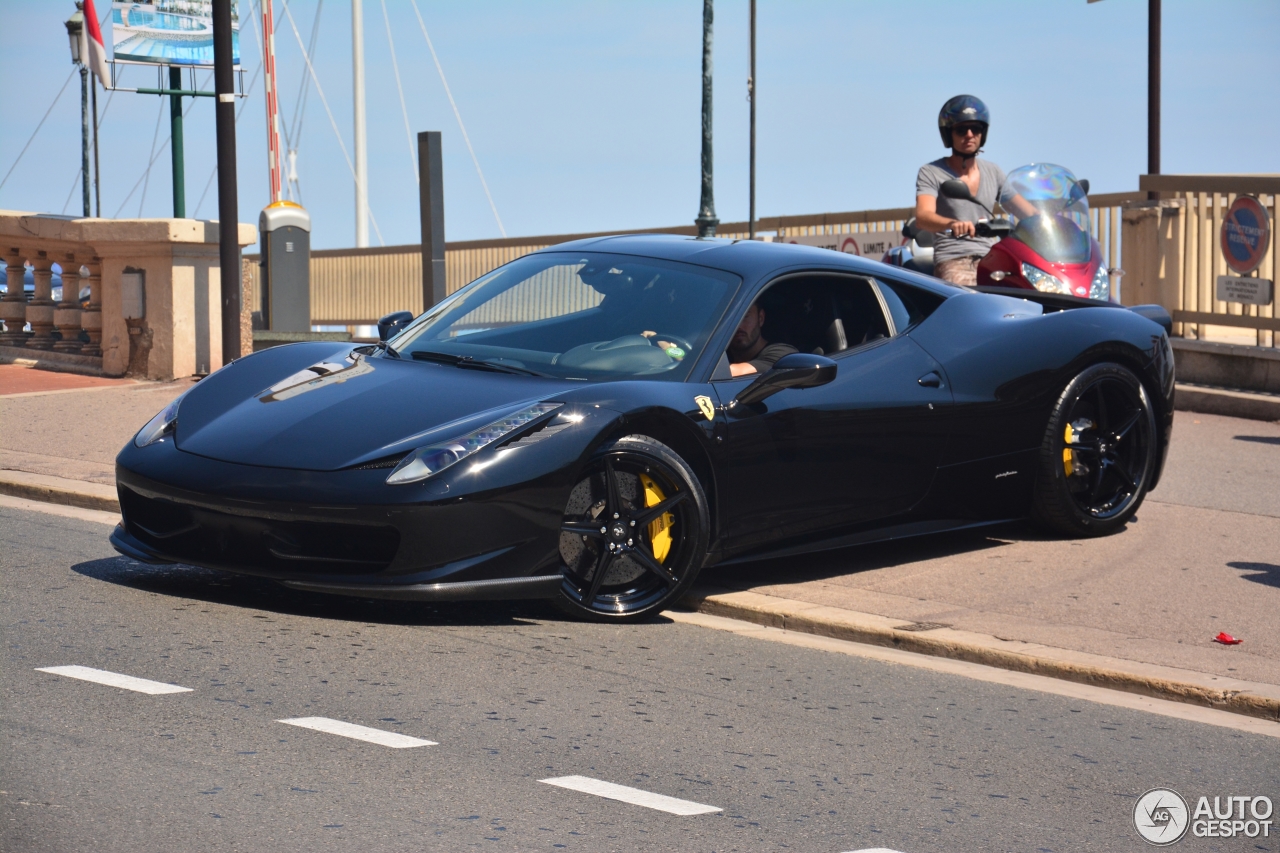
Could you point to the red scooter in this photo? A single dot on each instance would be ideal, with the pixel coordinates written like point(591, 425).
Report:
point(1046, 242)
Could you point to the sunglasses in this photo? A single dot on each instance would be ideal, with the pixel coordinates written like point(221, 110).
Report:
point(966, 129)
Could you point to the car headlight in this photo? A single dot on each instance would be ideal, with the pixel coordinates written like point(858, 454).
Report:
point(1100, 287)
point(431, 460)
point(1041, 280)
point(159, 426)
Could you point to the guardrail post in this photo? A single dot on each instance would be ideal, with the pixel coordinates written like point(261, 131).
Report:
point(13, 307)
point(66, 314)
point(40, 308)
point(1152, 253)
point(91, 316)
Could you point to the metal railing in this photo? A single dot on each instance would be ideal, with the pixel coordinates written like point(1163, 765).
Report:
point(354, 287)
point(1190, 252)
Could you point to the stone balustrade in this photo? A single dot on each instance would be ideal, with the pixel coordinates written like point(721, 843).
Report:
point(172, 264)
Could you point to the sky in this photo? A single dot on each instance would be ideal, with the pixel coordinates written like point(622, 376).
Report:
point(585, 115)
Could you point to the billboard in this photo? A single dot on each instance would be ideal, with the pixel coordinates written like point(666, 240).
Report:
point(169, 32)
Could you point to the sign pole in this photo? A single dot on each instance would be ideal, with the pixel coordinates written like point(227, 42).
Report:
point(1153, 91)
point(175, 143)
point(751, 96)
point(228, 203)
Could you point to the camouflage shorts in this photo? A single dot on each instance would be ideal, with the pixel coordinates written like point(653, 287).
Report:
point(962, 271)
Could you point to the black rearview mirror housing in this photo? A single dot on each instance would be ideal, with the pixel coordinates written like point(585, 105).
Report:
point(797, 370)
point(956, 189)
point(392, 324)
point(1084, 185)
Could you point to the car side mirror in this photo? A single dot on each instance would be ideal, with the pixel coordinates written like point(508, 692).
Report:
point(393, 324)
point(1084, 185)
point(909, 228)
point(797, 370)
point(956, 189)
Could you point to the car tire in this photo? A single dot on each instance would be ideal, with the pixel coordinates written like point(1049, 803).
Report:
point(635, 532)
point(1098, 454)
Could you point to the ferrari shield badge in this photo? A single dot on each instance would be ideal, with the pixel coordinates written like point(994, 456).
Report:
point(706, 407)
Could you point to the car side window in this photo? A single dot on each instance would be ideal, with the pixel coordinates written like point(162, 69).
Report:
point(903, 300)
point(823, 314)
point(893, 304)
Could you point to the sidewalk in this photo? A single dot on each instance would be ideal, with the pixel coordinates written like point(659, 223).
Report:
point(1136, 611)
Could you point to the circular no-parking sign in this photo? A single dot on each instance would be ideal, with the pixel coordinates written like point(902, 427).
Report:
point(1246, 234)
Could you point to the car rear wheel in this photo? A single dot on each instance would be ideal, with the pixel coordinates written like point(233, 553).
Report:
point(634, 534)
point(1098, 454)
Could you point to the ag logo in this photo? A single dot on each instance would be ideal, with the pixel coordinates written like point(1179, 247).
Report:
point(706, 407)
point(1161, 817)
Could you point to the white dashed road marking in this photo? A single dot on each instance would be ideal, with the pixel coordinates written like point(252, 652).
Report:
point(114, 679)
point(351, 730)
point(630, 795)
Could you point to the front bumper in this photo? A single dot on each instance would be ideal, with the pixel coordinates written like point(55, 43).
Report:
point(489, 530)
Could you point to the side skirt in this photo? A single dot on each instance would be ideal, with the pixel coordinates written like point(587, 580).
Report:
point(883, 534)
point(501, 589)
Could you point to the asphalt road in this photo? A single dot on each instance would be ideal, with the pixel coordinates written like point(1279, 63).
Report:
point(798, 748)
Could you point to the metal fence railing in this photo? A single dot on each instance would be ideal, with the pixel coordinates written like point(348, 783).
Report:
point(353, 287)
point(1192, 255)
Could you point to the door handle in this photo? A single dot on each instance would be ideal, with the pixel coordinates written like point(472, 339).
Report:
point(930, 380)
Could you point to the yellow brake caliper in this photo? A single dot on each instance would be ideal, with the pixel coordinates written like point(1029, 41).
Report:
point(660, 527)
point(1068, 458)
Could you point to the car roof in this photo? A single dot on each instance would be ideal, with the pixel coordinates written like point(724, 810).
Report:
point(750, 259)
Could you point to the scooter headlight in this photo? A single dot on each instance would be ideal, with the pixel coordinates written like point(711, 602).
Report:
point(1041, 280)
point(428, 461)
point(1100, 287)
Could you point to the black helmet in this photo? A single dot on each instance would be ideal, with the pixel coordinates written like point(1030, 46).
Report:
point(960, 110)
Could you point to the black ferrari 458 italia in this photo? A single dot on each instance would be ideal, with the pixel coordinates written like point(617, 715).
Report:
point(569, 426)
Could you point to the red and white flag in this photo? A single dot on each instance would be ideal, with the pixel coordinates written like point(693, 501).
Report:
point(95, 59)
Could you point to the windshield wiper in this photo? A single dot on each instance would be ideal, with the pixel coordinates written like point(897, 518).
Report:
point(468, 363)
point(388, 348)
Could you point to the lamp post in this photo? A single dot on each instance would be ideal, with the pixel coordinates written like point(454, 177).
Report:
point(75, 34)
point(706, 220)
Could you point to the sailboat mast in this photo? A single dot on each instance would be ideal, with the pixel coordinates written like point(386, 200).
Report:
point(362, 161)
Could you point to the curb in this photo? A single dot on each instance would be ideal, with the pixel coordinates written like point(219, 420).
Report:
point(1210, 400)
point(59, 490)
point(1239, 697)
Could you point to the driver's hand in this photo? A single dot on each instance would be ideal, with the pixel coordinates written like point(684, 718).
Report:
point(664, 345)
point(648, 334)
point(960, 228)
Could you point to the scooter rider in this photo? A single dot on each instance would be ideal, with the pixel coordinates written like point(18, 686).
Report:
point(963, 123)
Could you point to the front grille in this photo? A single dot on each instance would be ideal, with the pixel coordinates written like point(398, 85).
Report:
point(212, 538)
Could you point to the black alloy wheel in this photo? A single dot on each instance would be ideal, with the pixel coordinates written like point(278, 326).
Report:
point(634, 534)
point(1098, 455)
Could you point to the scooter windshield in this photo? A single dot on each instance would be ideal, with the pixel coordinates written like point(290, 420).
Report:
point(1050, 212)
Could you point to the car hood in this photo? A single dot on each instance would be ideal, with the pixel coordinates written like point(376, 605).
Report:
point(321, 409)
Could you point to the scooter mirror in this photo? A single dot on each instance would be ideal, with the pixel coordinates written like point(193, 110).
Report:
point(956, 189)
point(1084, 185)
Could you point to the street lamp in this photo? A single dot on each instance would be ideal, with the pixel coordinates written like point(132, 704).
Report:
point(79, 51)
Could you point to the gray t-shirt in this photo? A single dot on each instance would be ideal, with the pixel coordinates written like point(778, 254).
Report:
point(767, 356)
point(990, 187)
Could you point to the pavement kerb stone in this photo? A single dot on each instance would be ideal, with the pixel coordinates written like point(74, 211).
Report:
point(1241, 697)
point(59, 490)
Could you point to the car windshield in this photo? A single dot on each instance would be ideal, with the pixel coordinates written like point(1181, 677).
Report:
point(576, 316)
point(1058, 230)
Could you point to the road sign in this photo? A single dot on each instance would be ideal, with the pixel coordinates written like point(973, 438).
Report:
point(1253, 291)
point(867, 244)
point(1246, 234)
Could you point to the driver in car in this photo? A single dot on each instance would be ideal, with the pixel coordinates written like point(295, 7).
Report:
point(749, 352)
